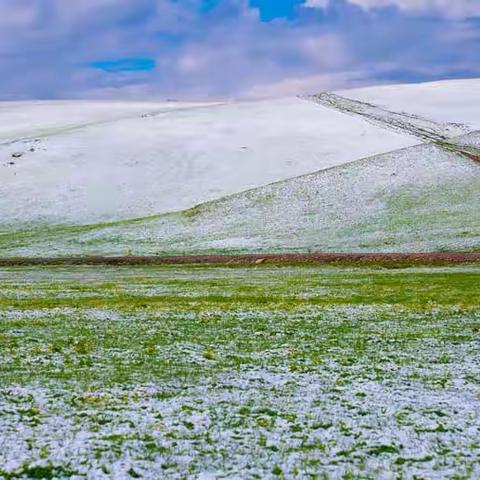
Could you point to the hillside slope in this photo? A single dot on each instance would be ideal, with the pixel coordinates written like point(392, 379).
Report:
point(419, 199)
point(382, 181)
point(171, 160)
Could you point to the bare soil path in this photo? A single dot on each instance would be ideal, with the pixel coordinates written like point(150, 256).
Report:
point(387, 259)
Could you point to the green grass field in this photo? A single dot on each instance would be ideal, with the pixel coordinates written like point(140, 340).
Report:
point(241, 372)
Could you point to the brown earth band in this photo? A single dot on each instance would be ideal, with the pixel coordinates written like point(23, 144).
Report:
point(386, 259)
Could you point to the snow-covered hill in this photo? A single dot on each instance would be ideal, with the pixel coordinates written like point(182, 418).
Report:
point(333, 172)
point(171, 160)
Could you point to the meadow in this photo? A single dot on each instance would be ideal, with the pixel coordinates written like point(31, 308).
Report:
point(240, 372)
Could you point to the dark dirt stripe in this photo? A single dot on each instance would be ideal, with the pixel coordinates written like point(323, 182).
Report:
point(257, 259)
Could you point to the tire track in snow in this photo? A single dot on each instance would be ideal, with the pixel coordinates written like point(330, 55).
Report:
point(423, 128)
point(442, 134)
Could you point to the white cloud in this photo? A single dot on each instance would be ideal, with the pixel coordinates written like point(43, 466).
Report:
point(316, 3)
point(16, 15)
point(292, 86)
point(447, 8)
point(47, 47)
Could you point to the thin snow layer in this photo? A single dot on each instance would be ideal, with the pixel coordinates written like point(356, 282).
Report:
point(173, 160)
point(418, 199)
point(254, 424)
point(447, 101)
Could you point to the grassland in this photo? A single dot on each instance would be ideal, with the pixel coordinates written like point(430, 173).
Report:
point(252, 372)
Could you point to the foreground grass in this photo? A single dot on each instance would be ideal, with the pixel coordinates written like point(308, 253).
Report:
point(212, 372)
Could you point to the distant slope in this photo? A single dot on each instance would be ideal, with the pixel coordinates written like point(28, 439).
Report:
point(418, 199)
point(28, 120)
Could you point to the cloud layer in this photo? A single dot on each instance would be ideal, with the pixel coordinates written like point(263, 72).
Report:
point(442, 8)
point(224, 48)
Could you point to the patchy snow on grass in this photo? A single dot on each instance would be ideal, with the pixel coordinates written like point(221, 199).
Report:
point(264, 424)
point(261, 372)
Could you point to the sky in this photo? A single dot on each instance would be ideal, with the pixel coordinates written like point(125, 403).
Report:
point(209, 49)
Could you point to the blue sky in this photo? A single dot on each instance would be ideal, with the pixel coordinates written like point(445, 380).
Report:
point(230, 48)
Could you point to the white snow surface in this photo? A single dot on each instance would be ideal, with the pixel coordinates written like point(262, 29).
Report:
point(451, 101)
point(41, 118)
point(91, 162)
